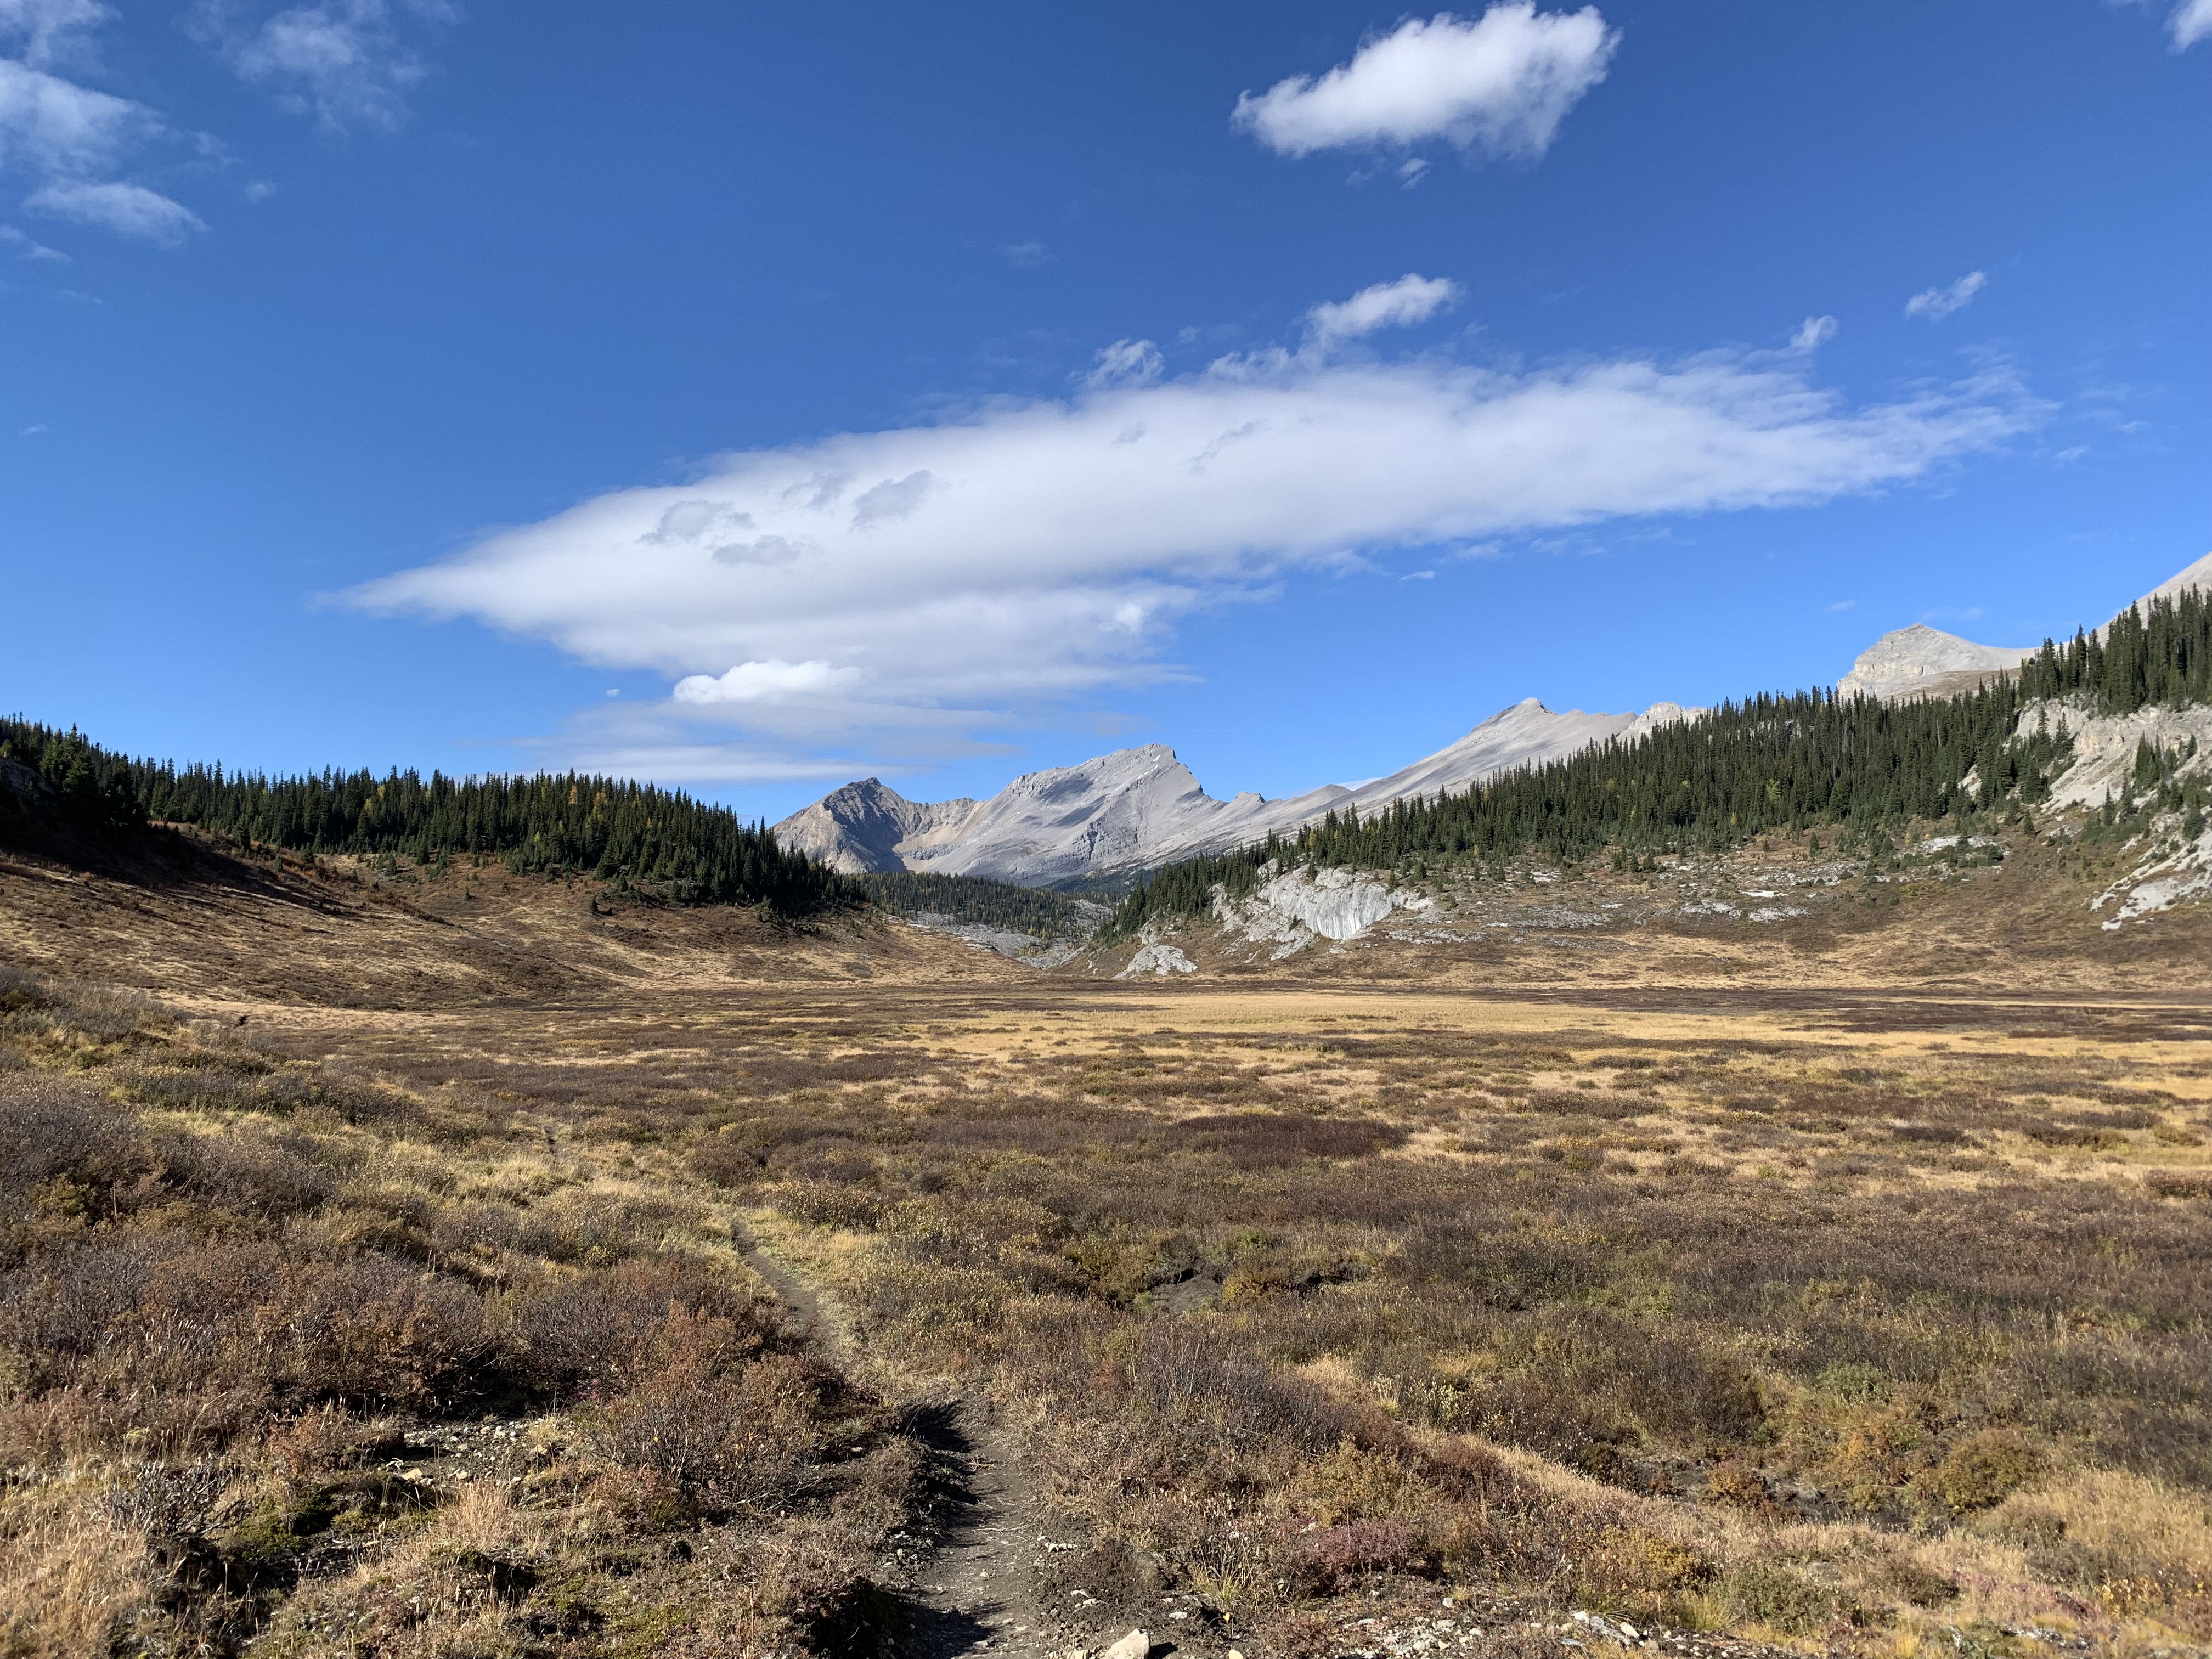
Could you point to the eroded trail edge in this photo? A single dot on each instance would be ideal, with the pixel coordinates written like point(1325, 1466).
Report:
point(972, 1585)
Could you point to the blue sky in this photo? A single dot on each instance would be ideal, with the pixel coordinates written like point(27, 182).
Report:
point(754, 398)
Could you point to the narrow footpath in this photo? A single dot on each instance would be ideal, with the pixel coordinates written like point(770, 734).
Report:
point(974, 1592)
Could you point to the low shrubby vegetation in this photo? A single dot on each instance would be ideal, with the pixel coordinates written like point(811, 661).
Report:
point(1747, 1336)
point(1879, 1329)
point(294, 1355)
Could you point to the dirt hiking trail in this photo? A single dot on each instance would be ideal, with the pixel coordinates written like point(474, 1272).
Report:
point(974, 1588)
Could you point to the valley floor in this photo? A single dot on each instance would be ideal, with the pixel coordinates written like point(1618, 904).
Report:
point(424, 1264)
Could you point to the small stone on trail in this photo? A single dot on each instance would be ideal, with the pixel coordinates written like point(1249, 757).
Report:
point(1135, 1645)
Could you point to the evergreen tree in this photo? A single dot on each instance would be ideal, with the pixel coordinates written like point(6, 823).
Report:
point(659, 842)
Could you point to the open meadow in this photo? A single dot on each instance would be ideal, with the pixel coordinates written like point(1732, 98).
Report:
point(913, 1300)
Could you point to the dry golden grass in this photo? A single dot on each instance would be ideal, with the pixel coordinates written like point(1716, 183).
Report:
point(71, 1573)
point(1776, 1291)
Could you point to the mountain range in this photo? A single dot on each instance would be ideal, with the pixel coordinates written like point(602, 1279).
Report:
point(1097, 825)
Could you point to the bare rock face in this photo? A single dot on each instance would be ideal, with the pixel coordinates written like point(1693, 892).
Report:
point(862, 828)
point(2104, 745)
point(1139, 808)
point(1922, 661)
point(2197, 575)
point(1292, 908)
point(1159, 961)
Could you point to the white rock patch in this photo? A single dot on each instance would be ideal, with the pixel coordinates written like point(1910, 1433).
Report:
point(1159, 960)
point(2104, 745)
point(2159, 883)
point(1294, 910)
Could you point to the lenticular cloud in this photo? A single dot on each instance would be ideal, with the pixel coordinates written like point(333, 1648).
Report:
point(1038, 550)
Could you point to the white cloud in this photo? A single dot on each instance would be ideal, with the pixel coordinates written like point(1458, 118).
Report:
point(44, 30)
point(1043, 551)
point(65, 136)
point(1497, 86)
point(892, 500)
point(1029, 255)
point(1411, 299)
point(346, 62)
point(762, 682)
point(1814, 333)
point(1937, 303)
point(126, 209)
point(1125, 362)
point(2191, 21)
point(31, 249)
point(56, 127)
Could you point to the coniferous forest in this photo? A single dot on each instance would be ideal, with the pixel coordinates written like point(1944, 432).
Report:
point(656, 841)
point(1036, 911)
point(2161, 654)
point(1786, 762)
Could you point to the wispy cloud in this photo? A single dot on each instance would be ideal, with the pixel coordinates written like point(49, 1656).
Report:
point(66, 138)
point(350, 63)
point(1054, 544)
point(1125, 362)
point(45, 32)
point(56, 128)
point(1028, 255)
point(1498, 86)
point(1814, 333)
point(1411, 299)
point(2188, 22)
point(1937, 303)
point(30, 248)
point(126, 209)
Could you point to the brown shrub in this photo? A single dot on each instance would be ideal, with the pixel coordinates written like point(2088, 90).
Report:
point(1256, 1140)
point(1337, 1554)
point(696, 1435)
point(591, 1329)
point(832, 1204)
point(1986, 1468)
point(2177, 1183)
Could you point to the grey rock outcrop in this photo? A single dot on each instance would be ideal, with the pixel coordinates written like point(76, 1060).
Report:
point(1292, 908)
point(1921, 661)
point(869, 827)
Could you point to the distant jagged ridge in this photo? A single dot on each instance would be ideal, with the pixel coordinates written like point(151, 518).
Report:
point(657, 839)
point(1743, 768)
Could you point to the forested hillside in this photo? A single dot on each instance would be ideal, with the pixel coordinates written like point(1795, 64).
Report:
point(1773, 763)
point(1033, 911)
point(2161, 654)
point(657, 839)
